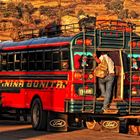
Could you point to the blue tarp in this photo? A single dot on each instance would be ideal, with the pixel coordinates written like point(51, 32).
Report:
point(34, 41)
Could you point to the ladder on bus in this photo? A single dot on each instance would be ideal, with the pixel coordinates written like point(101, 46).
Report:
point(88, 106)
point(134, 88)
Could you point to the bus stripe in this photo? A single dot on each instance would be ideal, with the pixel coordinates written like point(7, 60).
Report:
point(37, 77)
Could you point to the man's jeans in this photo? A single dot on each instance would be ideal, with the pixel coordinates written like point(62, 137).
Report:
point(105, 85)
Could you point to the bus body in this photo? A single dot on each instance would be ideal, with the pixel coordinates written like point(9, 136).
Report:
point(54, 79)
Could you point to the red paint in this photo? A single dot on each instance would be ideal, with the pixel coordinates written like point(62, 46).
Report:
point(36, 46)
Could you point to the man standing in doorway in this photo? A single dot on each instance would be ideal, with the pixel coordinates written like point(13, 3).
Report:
point(106, 83)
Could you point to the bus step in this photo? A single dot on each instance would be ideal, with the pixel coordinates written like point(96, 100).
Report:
point(87, 108)
point(111, 111)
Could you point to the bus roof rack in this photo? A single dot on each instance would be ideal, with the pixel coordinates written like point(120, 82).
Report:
point(53, 30)
point(115, 25)
point(106, 25)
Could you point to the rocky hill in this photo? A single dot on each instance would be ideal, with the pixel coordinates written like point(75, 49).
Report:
point(66, 10)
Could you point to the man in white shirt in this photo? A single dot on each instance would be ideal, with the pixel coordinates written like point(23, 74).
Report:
point(105, 84)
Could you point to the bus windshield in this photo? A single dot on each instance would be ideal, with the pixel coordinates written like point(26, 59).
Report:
point(83, 60)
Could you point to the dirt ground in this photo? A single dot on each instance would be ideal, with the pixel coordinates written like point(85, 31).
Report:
point(13, 130)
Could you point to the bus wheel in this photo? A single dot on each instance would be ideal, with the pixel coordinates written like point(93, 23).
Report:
point(38, 115)
point(93, 125)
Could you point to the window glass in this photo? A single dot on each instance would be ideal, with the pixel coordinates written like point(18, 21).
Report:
point(65, 62)
point(24, 66)
point(31, 60)
point(48, 65)
point(10, 61)
point(24, 62)
point(4, 61)
point(24, 57)
point(56, 60)
point(65, 55)
point(18, 57)
point(32, 66)
point(11, 57)
point(39, 60)
point(56, 56)
point(48, 55)
point(39, 66)
point(48, 60)
point(83, 59)
point(17, 61)
point(135, 61)
point(31, 56)
point(39, 56)
point(17, 66)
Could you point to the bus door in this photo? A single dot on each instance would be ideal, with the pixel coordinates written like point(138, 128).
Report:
point(132, 81)
point(117, 88)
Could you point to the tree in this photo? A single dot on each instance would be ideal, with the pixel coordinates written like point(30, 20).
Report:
point(133, 14)
point(115, 5)
point(123, 13)
point(43, 10)
point(11, 10)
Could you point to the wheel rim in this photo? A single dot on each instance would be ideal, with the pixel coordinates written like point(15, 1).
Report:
point(36, 115)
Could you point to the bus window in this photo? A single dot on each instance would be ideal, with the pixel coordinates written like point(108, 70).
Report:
point(56, 60)
point(31, 60)
point(4, 62)
point(89, 62)
point(81, 59)
point(48, 60)
point(135, 61)
point(65, 62)
point(10, 61)
point(17, 60)
point(24, 58)
point(39, 60)
point(134, 64)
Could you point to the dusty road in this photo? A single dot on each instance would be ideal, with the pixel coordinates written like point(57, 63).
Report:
point(13, 130)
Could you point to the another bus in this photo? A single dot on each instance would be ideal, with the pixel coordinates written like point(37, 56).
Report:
point(53, 78)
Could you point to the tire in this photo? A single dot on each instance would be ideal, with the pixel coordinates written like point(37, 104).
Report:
point(38, 115)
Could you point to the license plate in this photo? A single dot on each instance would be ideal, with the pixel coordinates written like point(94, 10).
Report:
point(88, 91)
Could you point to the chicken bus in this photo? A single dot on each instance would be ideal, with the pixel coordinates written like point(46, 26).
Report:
point(53, 78)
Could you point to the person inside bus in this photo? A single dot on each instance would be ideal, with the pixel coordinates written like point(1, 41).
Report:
point(106, 84)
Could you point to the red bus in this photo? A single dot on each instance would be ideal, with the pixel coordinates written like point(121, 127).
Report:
point(53, 79)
